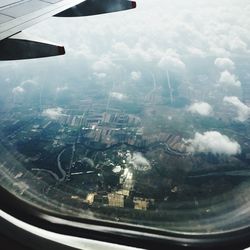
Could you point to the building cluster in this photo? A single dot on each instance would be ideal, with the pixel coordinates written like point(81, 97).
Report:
point(121, 198)
point(174, 142)
point(71, 120)
point(111, 128)
point(118, 199)
point(116, 127)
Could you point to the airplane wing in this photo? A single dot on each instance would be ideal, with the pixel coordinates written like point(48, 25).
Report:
point(17, 15)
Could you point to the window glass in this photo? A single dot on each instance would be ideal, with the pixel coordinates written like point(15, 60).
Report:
point(145, 120)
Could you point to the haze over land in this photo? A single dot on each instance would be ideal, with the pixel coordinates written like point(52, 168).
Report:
point(148, 110)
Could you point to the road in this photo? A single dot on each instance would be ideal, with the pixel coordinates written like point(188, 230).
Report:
point(63, 173)
point(47, 171)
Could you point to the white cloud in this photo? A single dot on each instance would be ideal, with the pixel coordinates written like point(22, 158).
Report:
point(224, 63)
point(171, 60)
point(237, 44)
point(122, 49)
point(102, 65)
point(25, 85)
point(213, 142)
point(221, 52)
point(100, 75)
point(53, 113)
point(228, 79)
point(118, 96)
point(135, 75)
point(201, 108)
point(196, 52)
point(61, 89)
point(138, 161)
point(28, 83)
point(242, 109)
point(18, 90)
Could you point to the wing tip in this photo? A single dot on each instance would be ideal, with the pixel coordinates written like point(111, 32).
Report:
point(61, 50)
point(133, 4)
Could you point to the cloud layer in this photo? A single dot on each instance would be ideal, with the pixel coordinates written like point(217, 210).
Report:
point(118, 96)
point(135, 75)
point(53, 113)
point(201, 108)
point(224, 63)
point(138, 162)
point(24, 86)
point(171, 60)
point(18, 90)
point(229, 79)
point(242, 109)
point(213, 142)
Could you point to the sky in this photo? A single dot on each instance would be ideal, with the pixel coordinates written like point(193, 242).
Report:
point(181, 37)
point(159, 33)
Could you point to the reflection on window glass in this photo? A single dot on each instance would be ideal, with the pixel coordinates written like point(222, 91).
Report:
point(145, 120)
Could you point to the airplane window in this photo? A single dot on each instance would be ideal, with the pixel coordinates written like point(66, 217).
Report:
point(145, 120)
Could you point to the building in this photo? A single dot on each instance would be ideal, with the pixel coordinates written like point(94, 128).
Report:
point(142, 203)
point(90, 198)
point(115, 200)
